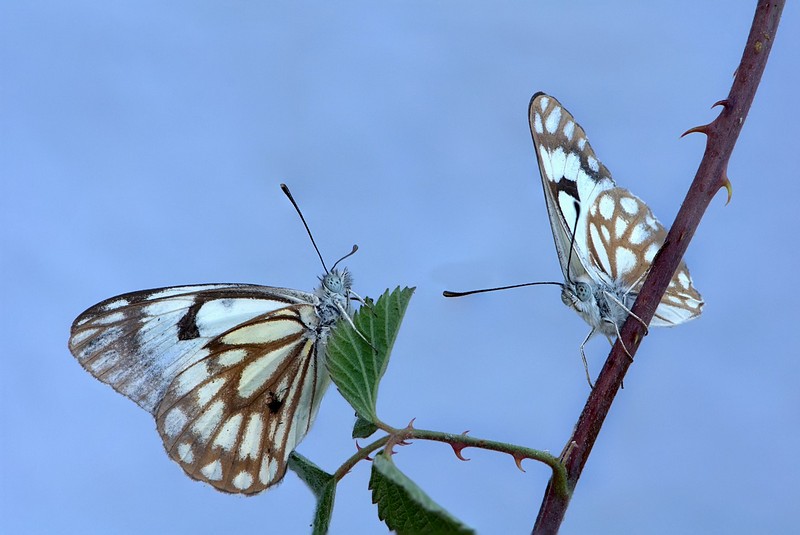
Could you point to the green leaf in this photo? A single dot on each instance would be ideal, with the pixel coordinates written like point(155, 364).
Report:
point(322, 484)
point(403, 506)
point(363, 428)
point(356, 366)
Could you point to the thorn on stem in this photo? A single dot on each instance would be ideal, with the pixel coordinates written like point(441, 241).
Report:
point(359, 448)
point(457, 448)
point(724, 103)
point(728, 186)
point(697, 129)
point(518, 460)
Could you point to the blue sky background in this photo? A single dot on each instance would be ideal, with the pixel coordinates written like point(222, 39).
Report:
point(143, 144)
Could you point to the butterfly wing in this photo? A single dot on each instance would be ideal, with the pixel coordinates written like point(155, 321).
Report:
point(572, 178)
point(234, 416)
point(233, 373)
point(616, 234)
point(624, 237)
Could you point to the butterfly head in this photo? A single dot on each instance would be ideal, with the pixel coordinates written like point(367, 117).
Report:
point(603, 307)
point(334, 292)
point(577, 294)
point(337, 282)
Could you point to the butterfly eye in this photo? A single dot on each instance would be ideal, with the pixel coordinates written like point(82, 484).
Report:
point(334, 284)
point(583, 291)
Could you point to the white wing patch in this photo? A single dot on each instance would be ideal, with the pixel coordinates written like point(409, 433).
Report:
point(229, 433)
point(250, 446)
point(569, 129)
point(221, 315)
point(606, 205)
point(552, 120)
point(260, 370)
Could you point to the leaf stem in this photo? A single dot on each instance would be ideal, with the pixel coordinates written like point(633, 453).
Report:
point(360, 455)
point(458, 442)
point(519, 453)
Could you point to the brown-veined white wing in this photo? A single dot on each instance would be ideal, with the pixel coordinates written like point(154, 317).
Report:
point(612, 235)
point(233, 373)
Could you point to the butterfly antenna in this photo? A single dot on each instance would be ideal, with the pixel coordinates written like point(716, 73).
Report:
point(288, 193)
point(348, 255)
point(448, 293)
point(572, 248)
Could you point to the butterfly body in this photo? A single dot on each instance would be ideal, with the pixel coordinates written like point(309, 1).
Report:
point(594, 304)
point(233, 373)
point(334, 297)
point(605, 237)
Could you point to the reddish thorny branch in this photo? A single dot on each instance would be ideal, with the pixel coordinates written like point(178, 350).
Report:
point(722, 134)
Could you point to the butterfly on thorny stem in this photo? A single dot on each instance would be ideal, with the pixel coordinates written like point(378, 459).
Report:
point(605, 237)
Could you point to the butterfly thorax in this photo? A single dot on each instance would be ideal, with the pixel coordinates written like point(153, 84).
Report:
point(334, 298)
point(603, 307)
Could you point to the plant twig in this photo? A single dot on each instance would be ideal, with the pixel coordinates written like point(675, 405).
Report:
point(458, 442)
point(722, 134)
point(519, 453)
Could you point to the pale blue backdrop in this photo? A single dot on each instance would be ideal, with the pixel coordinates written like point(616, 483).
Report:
point(143, 144)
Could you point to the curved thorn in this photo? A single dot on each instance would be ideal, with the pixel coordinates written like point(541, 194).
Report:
point(724, 103)
point(466, 432)
point(457, 448)
point(518, 460)
point(697, 130)
point(359, 448)
point(728, 186)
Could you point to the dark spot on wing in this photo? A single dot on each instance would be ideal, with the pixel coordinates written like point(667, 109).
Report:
point(569, 187)
point(274, 404)
point(187, 326)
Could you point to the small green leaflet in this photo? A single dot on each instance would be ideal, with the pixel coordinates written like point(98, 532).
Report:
point(356, 367)
point(403, 506)
point(363, 428)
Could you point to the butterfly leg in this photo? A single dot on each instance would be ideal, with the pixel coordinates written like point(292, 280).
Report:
point(365, 303)
point(629, 311)
point(357, 298)
point(616, 329)
point(347, 317)
point(611, 341)
point(583, 357)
